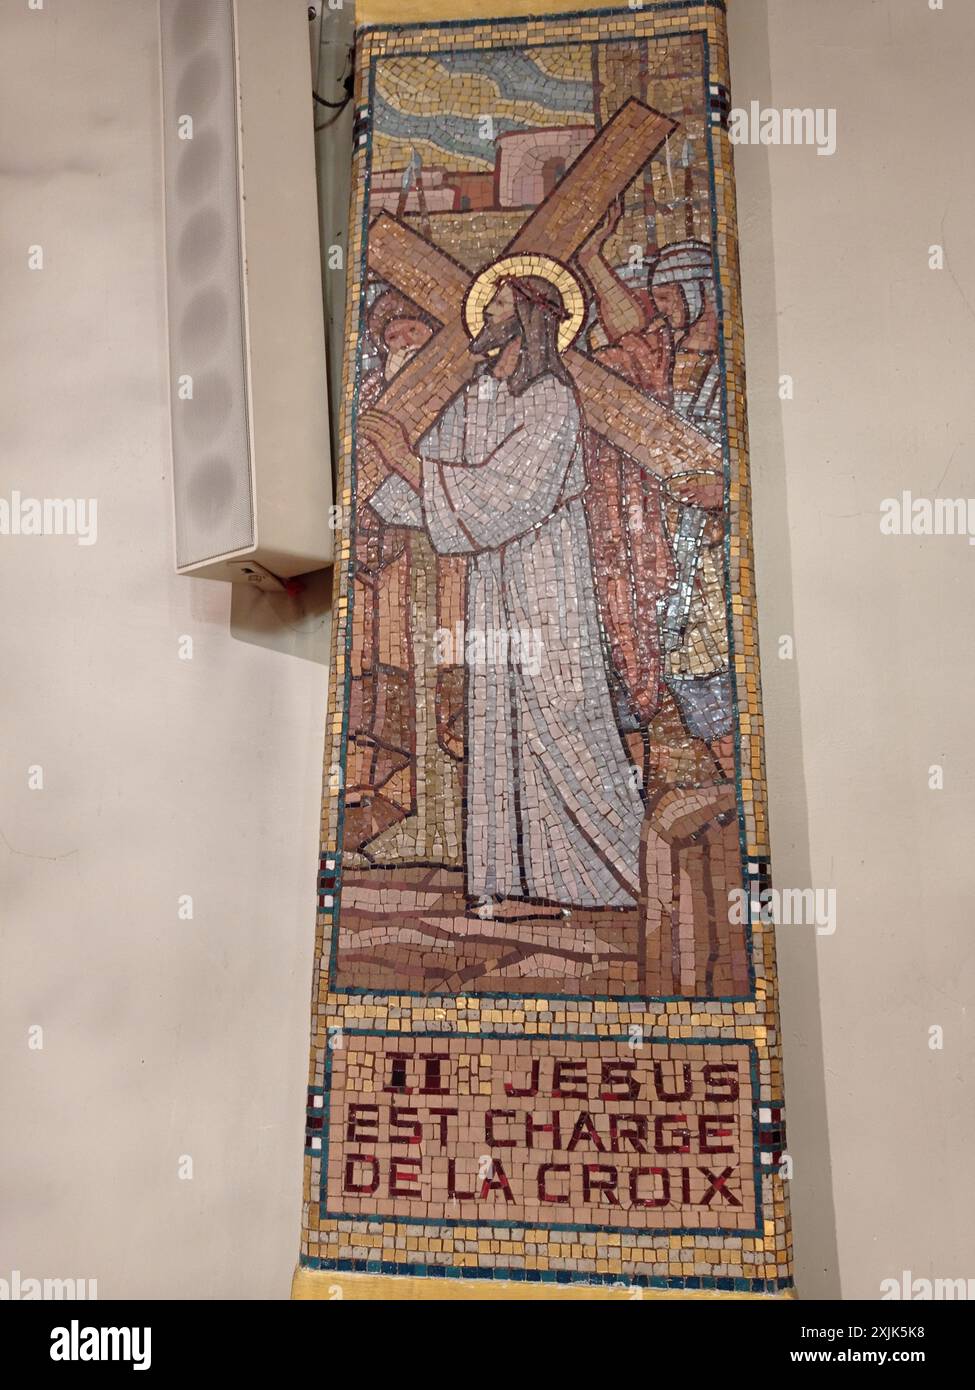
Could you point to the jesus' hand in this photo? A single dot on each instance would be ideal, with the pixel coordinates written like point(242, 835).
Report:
point(389, 439)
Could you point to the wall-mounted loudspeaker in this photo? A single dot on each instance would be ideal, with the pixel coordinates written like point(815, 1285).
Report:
point(252, 477)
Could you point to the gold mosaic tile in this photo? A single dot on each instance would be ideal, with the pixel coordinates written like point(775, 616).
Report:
point(545, 1053)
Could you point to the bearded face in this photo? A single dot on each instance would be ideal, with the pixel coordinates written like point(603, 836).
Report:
point(500, 323)
point(527, 310)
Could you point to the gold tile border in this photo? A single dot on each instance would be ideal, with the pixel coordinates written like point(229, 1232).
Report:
point(402, 12)
point(327, 1286)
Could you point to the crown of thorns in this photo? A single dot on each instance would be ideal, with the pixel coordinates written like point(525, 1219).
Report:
point(537, 296)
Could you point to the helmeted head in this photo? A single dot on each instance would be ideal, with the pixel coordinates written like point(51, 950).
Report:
point(681, 281)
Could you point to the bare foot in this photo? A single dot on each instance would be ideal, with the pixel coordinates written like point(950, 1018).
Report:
point(516, 909)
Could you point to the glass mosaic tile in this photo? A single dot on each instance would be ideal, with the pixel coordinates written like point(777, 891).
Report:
point(545, 1053)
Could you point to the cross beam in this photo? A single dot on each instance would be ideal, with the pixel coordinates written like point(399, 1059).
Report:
point(649, 432)
point(557, 228)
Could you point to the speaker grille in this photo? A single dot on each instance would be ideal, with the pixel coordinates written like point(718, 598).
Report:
point(212, 481)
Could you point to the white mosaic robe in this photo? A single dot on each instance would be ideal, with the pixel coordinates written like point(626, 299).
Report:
point(552, 811)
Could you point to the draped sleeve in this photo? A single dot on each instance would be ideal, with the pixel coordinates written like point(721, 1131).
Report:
point(481, 506)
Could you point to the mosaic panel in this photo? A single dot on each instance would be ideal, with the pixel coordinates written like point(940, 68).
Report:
point(544, 1040)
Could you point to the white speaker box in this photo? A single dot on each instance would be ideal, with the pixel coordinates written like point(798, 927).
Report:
point(252, 475)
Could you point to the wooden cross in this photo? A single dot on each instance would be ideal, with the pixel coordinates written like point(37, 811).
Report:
point(636, 424)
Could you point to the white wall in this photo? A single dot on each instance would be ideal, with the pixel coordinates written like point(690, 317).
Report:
point(164, 777)
point(838, 294)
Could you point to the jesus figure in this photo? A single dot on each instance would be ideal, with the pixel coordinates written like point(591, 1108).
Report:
point(553, 815)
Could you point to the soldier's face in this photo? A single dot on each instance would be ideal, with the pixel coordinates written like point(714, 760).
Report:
point(407, 333)
point(671, 303)
point(500, 322)
point(403, 339)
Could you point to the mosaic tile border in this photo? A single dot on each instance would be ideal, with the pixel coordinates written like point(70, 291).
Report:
point(752, 1019)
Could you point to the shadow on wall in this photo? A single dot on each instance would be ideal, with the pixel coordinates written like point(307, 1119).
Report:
point(299, 625)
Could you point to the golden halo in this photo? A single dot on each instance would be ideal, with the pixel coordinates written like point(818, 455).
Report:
point(482, 291)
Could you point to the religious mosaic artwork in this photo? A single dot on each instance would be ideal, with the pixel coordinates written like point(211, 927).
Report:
point(545, 1044)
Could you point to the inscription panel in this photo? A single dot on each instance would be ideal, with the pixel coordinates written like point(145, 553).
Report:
point(543, 1131)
